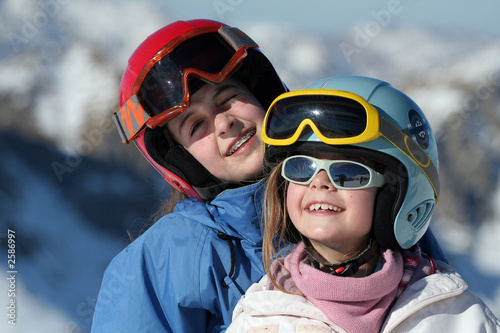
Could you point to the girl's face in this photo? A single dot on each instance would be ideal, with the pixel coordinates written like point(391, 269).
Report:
point(337, 222)
point(221, 129)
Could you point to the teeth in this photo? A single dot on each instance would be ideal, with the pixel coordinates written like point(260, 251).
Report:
point(324, 206)
point(240, 142)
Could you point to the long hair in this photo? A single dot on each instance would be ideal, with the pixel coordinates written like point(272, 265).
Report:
point(279, 232)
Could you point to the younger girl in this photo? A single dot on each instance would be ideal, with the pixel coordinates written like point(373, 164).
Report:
point(353, 188)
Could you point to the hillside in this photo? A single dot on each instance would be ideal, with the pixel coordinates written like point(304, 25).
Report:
point(72, 191)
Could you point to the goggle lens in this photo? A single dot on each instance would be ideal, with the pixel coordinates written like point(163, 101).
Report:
point(333, 116)
point(346, 175)
point(163, 88)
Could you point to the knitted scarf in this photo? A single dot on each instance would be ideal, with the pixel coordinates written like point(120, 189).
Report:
point(357, 304)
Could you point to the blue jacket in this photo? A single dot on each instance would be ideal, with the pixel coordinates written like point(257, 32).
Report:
point(183, 275)
point(187, 272)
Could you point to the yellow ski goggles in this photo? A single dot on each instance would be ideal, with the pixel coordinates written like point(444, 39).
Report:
point(338, 118)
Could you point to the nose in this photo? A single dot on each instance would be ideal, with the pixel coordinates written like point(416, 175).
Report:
point(322, 182)
point(223, 123)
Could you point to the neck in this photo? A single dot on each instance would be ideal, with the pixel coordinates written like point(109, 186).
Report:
point(362, 263)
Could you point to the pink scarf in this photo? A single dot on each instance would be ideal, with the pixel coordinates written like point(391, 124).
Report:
point(355, 304)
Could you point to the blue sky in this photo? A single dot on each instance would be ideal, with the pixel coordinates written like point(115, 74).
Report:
point(478, 17)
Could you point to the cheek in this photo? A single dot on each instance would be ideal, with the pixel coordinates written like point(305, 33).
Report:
point(259, 115)
point(294, 201)
point(203, 151)
point(249, 108)
point(365, 203)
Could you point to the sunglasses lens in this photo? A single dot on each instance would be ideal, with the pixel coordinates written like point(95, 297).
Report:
point(162, 87)
point(334, 116)
point(345, 175)
point(299, 169)
point(349, 175)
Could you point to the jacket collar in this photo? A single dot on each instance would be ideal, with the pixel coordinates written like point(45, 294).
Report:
point(239, 211)
point(235, 212)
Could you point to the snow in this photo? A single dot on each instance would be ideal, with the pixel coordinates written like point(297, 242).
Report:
point(59, 270)
point(489, 233)
point(81, 51)
point(43, 317)
point(440, 105)
point(81, 86)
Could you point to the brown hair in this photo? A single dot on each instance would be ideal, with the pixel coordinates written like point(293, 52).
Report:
point(279, 233)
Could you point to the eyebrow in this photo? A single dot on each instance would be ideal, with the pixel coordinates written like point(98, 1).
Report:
point(223, 87)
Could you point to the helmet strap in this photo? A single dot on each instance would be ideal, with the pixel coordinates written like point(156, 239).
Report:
point(347, 267)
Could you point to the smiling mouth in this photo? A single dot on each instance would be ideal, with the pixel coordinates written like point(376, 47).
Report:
point(324, 207)
point(241, 142)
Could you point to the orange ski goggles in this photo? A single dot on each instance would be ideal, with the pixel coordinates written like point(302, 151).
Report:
point(161, 90)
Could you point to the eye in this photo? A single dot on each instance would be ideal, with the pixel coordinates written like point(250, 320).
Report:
point(224, 101)
point(195, 127)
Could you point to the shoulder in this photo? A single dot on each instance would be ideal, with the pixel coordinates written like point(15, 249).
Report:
point(258, 293)
point(442, 301)
point(175, 253)
point(445, 283)
point(174, 240)
point(169, 232)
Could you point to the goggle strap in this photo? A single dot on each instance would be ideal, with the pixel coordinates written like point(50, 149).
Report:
point(411, 149)
point(116, 120)
point(237, 38)
point(130, 119)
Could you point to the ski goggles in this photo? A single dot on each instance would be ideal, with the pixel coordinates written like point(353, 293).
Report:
point(344, 175)
point(338, 118)
point(161, 90)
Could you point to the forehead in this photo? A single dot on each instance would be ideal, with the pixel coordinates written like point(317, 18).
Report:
point(210, 90)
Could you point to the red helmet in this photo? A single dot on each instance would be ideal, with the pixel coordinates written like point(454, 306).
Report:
point(157, 84)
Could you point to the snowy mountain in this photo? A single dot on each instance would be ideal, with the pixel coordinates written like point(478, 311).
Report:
point(71, 191)
point(67, 225)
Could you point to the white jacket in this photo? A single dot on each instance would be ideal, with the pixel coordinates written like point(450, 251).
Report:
point(437, 303)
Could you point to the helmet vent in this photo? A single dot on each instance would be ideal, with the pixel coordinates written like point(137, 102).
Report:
point(419, 216)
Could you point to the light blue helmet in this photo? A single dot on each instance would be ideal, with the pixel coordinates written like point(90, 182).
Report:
point(406, 151)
